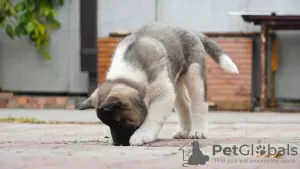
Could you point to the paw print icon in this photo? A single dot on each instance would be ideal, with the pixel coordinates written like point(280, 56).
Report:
point(261, 150)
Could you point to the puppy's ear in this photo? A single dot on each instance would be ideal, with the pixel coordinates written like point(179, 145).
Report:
point(113, 104)
point(89, 103)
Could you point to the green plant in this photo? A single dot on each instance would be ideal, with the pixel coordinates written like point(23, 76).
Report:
point(32, 18)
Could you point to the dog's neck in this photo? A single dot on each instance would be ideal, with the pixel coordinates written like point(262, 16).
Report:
point(141, 88)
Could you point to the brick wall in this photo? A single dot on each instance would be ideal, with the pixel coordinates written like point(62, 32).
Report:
point(229, 92)
point(9, 100)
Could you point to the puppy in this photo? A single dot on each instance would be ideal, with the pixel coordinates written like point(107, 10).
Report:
point(155, 69)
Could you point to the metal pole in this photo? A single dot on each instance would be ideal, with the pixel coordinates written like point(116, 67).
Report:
point(263, 36)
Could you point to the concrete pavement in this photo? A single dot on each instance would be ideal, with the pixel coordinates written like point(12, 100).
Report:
point(35, 146)
point(63, 115)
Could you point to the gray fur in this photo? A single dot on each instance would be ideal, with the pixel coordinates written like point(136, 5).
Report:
point(160, 45)
point(87, 104)
point(211, 47)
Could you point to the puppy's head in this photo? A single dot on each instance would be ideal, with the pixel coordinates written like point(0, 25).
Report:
point(120, 107)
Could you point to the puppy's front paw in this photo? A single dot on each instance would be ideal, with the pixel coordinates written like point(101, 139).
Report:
point(140, 138)
point(198, 134)
point(181, 134)
point(199, 130)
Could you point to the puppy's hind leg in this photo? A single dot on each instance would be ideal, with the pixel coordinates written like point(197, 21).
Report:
point(196, 88)
point(182, 108)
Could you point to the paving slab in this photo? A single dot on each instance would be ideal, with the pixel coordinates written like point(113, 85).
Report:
point(62, 115)
point(35, 146)
point(77, 146)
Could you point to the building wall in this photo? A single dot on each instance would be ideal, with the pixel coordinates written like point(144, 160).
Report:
point(21, 69)
point(116, 15)
point(210, 16)
point(287, 74)
point(201, 15)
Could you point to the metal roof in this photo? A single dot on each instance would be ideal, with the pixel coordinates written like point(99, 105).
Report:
point(280, 21)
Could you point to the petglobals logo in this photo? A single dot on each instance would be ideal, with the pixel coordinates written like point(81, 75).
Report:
point(252, 149)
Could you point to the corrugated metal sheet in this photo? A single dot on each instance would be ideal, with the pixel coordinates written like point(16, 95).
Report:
point(106, 49)
point(228, 91)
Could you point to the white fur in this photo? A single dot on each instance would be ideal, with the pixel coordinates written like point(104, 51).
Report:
point(199, 107)
point(227, 64)
point(182, 108)
point(121, 69)
point(161, 96)
point(199, 122)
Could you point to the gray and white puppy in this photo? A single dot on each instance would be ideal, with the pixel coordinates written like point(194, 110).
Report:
point(155, 69)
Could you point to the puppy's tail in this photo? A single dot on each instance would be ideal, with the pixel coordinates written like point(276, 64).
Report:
point(217, 54)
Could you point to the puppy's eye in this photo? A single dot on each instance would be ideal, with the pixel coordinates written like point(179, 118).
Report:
point(119, 122)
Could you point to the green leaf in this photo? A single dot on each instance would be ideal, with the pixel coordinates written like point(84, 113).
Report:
point(29, 27)
point(2, 21)
point(26, 16)
point(6, 5)
point(12, 11)
point(57, 2)
point(54, 12)
point(20, 6)
point(31, 5)
point(23, 30)
point(32, 18)
point(2, 4)
point(20, 30)
point(47, 56)
point(47, 11)
point(55, 24)
point(10, 31)
point(61, 2)
point(27, 4)
point(38, 43)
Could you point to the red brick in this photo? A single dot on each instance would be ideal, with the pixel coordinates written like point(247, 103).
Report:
point(61, 100)
point(21, 99)
point(42, 100)
point(15, 105)
point(53, 106)
point(70, 106)
point(32, 100)
point(3, 100)
point(33, 106)
point(6, 95)
point(3, 105)
point(50, 100)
